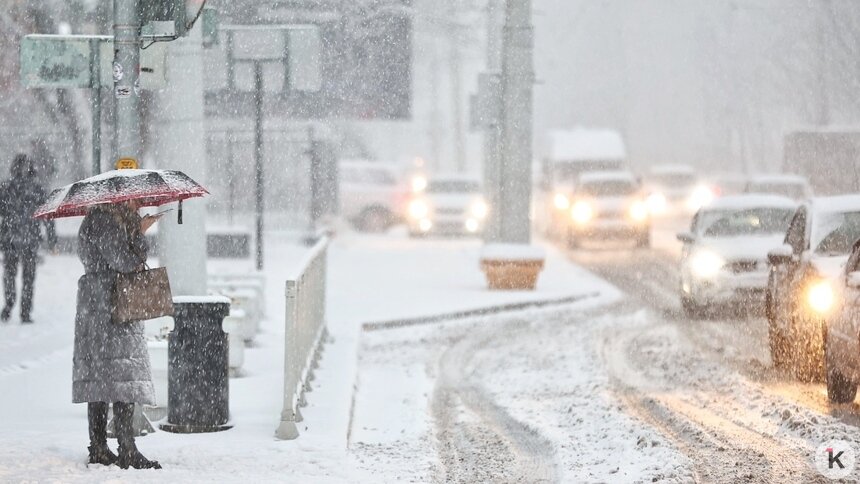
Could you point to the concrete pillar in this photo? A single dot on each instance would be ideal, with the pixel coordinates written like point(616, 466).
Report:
point(179, 142)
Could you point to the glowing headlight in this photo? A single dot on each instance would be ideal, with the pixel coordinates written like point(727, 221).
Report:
point(820, 296)
point(418, 209)
point(706, 264)
point(480, 209)
point(700, 197)
point(639, 211)
point(561, 201)
point(419, 183)
point(657, 203)
point(582, 212)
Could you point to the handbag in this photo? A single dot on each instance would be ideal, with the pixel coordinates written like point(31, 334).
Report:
point(142, 295)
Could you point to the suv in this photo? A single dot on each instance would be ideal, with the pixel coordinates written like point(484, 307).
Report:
point(804, 275)
point(675, 190)
point(449, 205)
point(372, 196)
point(609, 204)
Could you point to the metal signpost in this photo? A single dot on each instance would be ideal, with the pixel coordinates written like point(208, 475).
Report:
point(294, 49)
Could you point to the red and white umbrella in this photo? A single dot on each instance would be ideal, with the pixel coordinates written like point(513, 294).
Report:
point(150, 188)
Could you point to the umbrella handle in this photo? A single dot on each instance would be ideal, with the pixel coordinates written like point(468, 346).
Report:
point(179, 215)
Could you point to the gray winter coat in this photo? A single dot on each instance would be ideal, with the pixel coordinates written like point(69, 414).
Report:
point(111, 363)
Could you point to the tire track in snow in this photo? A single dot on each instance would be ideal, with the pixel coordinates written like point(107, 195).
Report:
point(478, 440)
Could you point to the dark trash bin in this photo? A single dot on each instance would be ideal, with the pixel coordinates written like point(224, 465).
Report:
point(198, 391)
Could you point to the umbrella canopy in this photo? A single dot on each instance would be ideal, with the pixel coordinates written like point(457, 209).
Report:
point(149, 187)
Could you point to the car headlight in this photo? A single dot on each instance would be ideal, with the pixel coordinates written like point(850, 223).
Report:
point(561, 201)
point(418, 209)
point(419, 183)
point(582, 212)
point(705, 264)
point(480, 209)
point(701, 196)
point(639, 211)
point(820, 296)
point(657, 203)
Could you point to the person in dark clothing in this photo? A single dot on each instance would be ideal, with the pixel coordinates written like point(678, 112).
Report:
point(21, 234)
point(111, 363)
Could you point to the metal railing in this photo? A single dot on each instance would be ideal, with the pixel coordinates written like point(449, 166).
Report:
point(305, 333)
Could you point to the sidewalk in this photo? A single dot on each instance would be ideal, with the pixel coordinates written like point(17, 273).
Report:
point(371, 278)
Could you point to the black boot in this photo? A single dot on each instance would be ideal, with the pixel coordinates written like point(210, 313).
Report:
point(6, 313)
point(129, 456)
point(99, 451)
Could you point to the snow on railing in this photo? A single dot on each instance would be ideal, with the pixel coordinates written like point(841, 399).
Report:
point(305, 333)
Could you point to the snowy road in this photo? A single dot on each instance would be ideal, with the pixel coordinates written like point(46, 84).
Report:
point(610, 388)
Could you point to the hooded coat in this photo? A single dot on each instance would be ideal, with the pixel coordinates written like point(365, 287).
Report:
point(20, 196)
point(111, 362)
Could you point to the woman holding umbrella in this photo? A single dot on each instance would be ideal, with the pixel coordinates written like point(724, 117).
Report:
point(111, 362)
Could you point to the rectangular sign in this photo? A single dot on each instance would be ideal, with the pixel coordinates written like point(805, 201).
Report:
point(66, 61)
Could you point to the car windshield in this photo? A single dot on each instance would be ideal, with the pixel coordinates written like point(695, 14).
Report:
point(751, 221)
point(835, 233)
point(367, 176)
point(568, 172)
point(791, 190)
point(673, 179)
point(453, 186)
point(607, 188)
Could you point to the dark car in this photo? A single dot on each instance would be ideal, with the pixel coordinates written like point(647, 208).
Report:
point(803, 280)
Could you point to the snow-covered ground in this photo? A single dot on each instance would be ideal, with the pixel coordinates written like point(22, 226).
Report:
point(609, 383)
point(43, 436)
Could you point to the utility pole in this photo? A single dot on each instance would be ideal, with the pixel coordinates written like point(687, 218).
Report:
point(126, 68)
point(489, 85)
point(456, 67)
point(259, 198)
point(516, 124)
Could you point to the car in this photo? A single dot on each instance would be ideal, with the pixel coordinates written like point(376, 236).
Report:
point(804, 275)
point(676, 190)
point(448, 205)
point(372, 195)
point(842, 338)
point(724, 257)
point(793, 186)
point(609, 204)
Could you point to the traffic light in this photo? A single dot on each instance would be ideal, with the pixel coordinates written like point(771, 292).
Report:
point(159, 13)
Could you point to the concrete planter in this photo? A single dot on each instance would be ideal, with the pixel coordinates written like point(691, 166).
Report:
point(509, 274)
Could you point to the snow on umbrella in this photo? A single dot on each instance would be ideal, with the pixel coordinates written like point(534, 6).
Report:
point(150, 188)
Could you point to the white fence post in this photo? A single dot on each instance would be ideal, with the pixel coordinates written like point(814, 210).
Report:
point(304, 330)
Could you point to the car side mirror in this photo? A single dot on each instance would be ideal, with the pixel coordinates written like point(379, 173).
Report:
point(686, 237)
point(853, 280)
point(780, 255)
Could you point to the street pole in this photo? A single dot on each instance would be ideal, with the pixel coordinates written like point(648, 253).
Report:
point(516, 129)
point(126, 30)
point(492, 133)
point(258, 157)
point(96, 93)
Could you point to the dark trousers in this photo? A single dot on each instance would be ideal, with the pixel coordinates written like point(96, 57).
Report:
point(11, 260)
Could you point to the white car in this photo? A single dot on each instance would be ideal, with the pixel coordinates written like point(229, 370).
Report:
point(724, 258)
point(448, 205)
point(795, 187)
point(372, 196)
point(609, 204)
point(676, 190)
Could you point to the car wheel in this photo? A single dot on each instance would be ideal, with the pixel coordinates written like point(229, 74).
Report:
point(840, 389)
point(692, 309)
point(643, 240)
point(572, 240)
point(779, 347)
point(374, 219)
point(809, 353)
